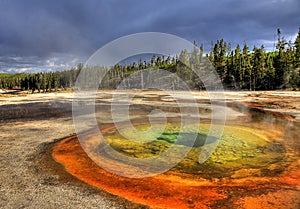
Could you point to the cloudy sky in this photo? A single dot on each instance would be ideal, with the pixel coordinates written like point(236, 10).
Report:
point(48, 35)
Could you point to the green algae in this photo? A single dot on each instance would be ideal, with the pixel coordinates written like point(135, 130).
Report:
point(187, 139)
point(239, 148)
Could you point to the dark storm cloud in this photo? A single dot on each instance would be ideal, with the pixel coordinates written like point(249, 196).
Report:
point(236, 21)
point(40, 30)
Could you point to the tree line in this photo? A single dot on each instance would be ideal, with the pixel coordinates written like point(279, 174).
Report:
point(42, 81)
point(238, 68)
point(258, 70)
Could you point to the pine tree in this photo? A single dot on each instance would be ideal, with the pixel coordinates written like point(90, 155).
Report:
point(194, 60)
point(258, 68)
point(297, 51)
point(295, 74)
point(280, 62)
point(201, 52)
point(183, 65)
point(239, 74)
point(270, 75)
point(247, 67)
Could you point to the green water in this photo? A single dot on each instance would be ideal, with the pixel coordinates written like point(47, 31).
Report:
point(254, 144)
point(187, 139)
point(240, 152)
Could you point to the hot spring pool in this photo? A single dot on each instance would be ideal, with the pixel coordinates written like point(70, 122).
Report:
point(255, 163)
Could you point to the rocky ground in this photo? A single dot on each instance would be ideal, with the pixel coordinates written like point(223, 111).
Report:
point(31, 123)
point(28, 178)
